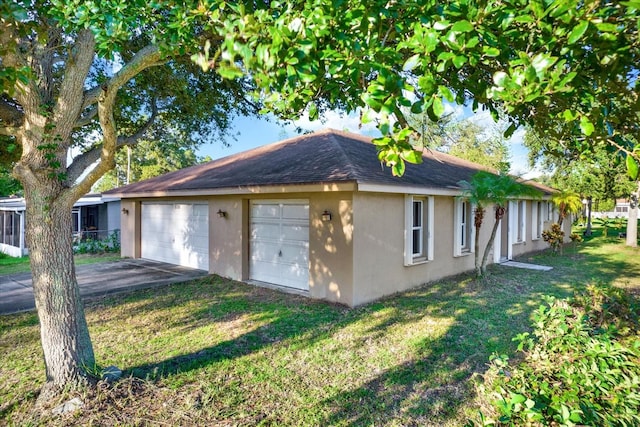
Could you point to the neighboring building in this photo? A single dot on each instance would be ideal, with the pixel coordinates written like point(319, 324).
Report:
point(319, 214)
point(94, 216)
point(621, 210)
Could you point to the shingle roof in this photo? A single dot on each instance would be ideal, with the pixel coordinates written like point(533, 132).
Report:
point(328, 156)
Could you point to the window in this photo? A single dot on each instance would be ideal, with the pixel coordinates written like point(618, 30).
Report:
point(549, 211)
point(10, 228)
point(464, 228)
point(536, 221)
point(418, 229)
point(520, 217)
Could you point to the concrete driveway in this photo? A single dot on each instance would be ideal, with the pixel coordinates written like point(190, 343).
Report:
point(16, 291)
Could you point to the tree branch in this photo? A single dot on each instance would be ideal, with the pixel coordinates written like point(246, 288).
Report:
point(69, 105)
point(132, 139)
point(147, 57)
point(87, 118)
point(83, 161)
point(624, 150)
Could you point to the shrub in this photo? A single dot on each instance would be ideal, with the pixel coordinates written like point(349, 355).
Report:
point(554, 236)
point(95, 246)
point(581, 365)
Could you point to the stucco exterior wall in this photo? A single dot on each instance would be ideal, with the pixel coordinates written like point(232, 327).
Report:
point(130, 228)
point(379, 246)
point(529, 244)
point(331, 260)
point(355, 258)
point(228, 237)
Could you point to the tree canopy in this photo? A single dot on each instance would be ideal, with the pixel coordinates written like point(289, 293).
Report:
point(599, 172)
point(540, 61)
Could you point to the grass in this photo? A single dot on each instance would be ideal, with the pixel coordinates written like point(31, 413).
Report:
point(13, 265)
point(217, 352)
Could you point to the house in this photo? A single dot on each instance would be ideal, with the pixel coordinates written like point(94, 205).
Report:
point(620, 210)
point(320, 215)
point(94, 216)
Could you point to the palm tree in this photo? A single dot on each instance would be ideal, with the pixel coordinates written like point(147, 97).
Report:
point(567, 203)
point(486, 189)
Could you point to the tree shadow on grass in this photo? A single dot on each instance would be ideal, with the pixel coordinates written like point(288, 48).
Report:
point(430, 389)
point(281, 316)
point(431, 386)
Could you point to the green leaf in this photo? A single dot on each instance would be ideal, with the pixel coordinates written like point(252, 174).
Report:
point(417, 107)
point(459, 61)
point(229, 72)
point(307, 78)
point(517, 398)
point(530, 74)
point(412, 156)
point(441, 25)
point(491, 51)
point(542, 61)
point(427, 84)
point(398, 168)
point(430, 41)
point(446, 93)
point(381, 142)
point(632, 167)
point(586, 126)
point(462, 26)
point(438, 106)
point(368, 116)
point(577, 32)
point(607, 27)
point(313, 111)
point(569, 115)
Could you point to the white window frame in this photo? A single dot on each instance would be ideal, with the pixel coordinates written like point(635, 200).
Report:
point(426, 230)
point(550, 209)
point(536, 221)
point(521, 221)
point(464, 234)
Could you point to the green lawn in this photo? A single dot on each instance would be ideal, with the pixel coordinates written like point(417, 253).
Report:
point(11, 265)
point(218, 352)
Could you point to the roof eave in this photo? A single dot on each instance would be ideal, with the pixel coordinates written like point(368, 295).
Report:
point(244, 190)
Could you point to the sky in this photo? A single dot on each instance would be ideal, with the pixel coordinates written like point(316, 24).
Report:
point(248, 133)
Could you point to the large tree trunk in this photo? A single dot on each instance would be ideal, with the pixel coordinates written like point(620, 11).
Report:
point(66, 344)
point(588, 230)
point(52, 104)
point(632, 223)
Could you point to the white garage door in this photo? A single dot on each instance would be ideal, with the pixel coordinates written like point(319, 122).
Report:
point(177, 233)
point(280, 242)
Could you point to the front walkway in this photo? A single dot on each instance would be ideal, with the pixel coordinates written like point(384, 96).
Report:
point(524, 265)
